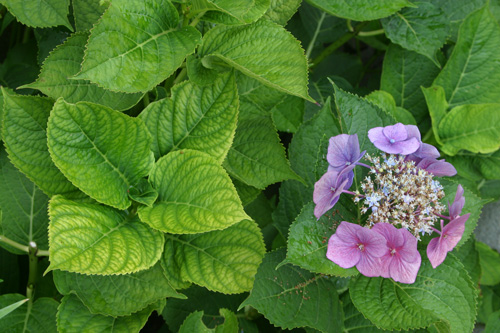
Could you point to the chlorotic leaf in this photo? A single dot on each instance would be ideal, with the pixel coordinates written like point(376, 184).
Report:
point(308, 241)
point(40, 317)
point(25, 137)
point(119, 295)
point(475, 128)
point(40, 13)
point(194, 195)
point(471, 75)
point(280, 11)
point(423, 29)
point(292, 297)
point(223, 260)
point(403, 73)
point(264, 51)
point(94, 239)
point(23, 208)
point(360, 10)
point(196, 117)
point(445, 293)
point(136, 44)
point(64, 62)
point(87, 12)
point(101, 151)
point(73, 316)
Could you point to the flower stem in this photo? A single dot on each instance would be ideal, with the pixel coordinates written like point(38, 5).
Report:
point(364, 165)
point(316, 33)
point(442, 216)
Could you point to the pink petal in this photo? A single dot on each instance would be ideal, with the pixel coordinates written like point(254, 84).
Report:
point(409, 252)
point(396, 132)
point(392, 235)
point(453, 232)
point(343, 254)
point(436, 252)
point(458, 204)
point(368, 265)
point(323, 196)
point(427, 150)
point(348, 232)
point(374, 243)
point(404, 272)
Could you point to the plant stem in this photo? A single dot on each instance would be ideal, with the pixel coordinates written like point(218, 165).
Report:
point(316, 33)
point(195, 21)
point(335, 45)
point(181, 76)
point(26, 35)
point(15, 244)
point(145, 99)
point(32, 278)
point(365, 33)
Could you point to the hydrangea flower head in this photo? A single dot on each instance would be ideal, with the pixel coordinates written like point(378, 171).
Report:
point(328, 189)
point(395, 139)
point(353, 245)
point(401, 260)
point(343, 152)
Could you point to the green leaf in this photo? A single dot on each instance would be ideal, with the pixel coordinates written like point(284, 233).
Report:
point(436, 102)
point(9, 308)
point(354, 321)
point(40, 13)
point(101, 151)
point(471, 75)
point(194, 195)
point(87, 12)
point(403, 73)
point(477, 166)
point(171, 268)
point(194, 323)
point(64, 62)
point(445, 293)
point(119, 295)
point(308, 240)
point(230, 12)
point(73, 316)
point(41, 317)
point(94, 239)
point(264, 51)
point(457, 10)
point(360, 10)
point(423, 29)
point(490, 264)
point(469, 257)
point(386, 102)
point(199, 298)
point(143, 193)
point(475, 128)
point(257, 156)
point(196, 117)
point(292, 297)
point(493, 322)
point(280, 11)
point(223, 260)
point(136, 45)
point(246, 192)
point(23, 207)
point(25, 137)
point(47, 40)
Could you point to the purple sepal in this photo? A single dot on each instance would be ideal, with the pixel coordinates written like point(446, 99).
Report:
point(458, 204)
point(395, 139)
point(328, 188)
point(343, 152)
point(438, 168)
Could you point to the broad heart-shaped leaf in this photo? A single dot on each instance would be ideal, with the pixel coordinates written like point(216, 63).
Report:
point(195, 195)
point(119, 295)
point(25, 136)
point(473, 205)
point(472, 74)
point(223, 260)
point(40, 318)
point(199, 298)
point(136, 44)
point(101, 151)
point(423, 29)
point(94, 239)
point(23, 207)
point(64, 62)
point(445, 293)
point(194, 323)
point(280, 11)
point(403, 73)
point(304, 151)
point(87, 12)
point(292, 297)
point(262, 50)
point(196, 117)
point(73, 316)
point(360, 10)
point(308, 240)
point(475, 128)
point(40, 13)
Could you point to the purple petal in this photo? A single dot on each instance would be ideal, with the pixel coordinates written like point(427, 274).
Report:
point(453, 232)
point(375, 244)
point(348, 232)
point(343, 254)
point(398, 147)
point(458, 204)
point(376, 134)
point(323, 196)
point(413, 132)
point(404, 272)
point(436, 252)
point(343, 151)
point(409, 252)
point(438, 168)
point(368, 265)
point(427, 150)
point(390, 233)
point(396, 132)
